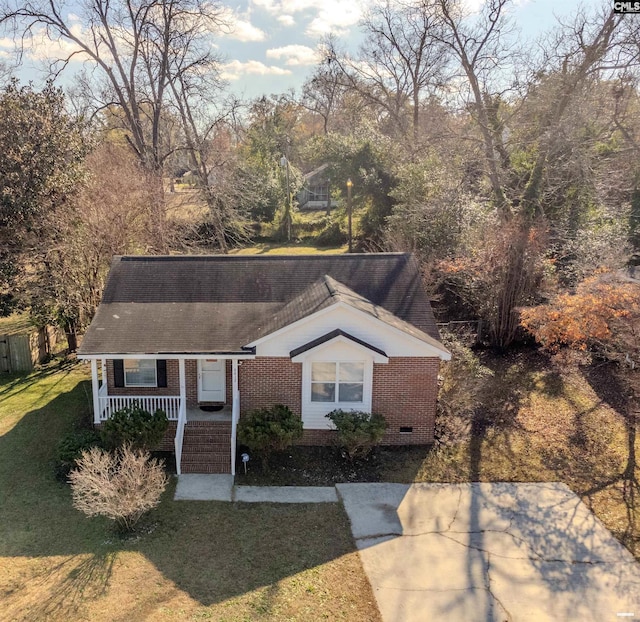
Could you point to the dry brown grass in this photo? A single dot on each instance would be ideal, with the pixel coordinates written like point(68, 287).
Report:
point(185, 205)
point(294, 248)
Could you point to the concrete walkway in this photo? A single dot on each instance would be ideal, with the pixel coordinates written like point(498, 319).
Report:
point(200, 487)
point(489, 552)
point(286, 494)
point(197, 487)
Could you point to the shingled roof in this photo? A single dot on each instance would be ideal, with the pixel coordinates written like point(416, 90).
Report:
point(221, 303)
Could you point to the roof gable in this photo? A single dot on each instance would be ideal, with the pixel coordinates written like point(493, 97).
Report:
point(326, 292)
point(332, 336)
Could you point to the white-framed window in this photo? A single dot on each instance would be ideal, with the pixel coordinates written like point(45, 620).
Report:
point(338, 382)
point(140, 373)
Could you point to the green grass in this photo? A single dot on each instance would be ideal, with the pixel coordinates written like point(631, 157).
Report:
point(15, 324)
point(189, 560)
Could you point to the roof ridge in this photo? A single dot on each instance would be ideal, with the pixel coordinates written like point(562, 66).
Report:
point(329, 284)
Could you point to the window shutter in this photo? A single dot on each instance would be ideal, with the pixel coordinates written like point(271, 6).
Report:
point(161, 375)
point(118, 373)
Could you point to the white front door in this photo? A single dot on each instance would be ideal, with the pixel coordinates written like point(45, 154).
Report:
point(211, 381)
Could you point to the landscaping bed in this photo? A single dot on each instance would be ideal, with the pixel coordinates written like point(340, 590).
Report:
point(325, 466)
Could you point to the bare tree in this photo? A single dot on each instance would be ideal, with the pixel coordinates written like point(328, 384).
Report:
point(481, 47)
point(585, 47)
point(321, 93)
point(142, 50)
point(402, 59)
point(110, 215)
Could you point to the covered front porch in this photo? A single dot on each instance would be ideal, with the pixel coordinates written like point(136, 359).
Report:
point(199, 395)
point(170, 404)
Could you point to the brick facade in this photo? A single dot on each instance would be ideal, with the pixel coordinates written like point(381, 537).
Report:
point(404, 391)
point(266, 381)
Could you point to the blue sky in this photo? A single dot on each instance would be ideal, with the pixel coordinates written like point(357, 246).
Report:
point(271, 44)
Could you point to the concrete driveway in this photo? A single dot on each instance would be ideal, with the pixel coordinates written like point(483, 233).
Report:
point(489, 552)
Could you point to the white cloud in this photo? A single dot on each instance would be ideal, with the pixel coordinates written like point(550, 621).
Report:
point(286, 20)
point(39, 47)
point(473, 6)
point(294, 55)
point(326, 15)
point(240, 27)
point(336, 17)
point(236, 69)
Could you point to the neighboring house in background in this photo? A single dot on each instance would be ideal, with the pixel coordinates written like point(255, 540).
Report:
point(315, 333)
point(316, 191)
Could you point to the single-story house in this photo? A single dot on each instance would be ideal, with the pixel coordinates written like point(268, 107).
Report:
point(316, 191)
point(233, 333)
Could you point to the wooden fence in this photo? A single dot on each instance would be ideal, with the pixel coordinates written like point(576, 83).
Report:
point(22, 351)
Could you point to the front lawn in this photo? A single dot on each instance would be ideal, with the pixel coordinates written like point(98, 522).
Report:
point(189, 560)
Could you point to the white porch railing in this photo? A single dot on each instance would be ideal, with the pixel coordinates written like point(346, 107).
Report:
point(109, 404)
point(177, 441)
point(235, 417)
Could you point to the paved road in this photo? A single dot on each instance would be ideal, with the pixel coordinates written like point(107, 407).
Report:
point(489, 552)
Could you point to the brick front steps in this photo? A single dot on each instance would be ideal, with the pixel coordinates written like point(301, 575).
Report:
point(206, 447)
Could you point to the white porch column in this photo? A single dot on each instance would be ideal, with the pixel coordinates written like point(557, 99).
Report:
point(234, 379)
point(183, 383)
point(105, 384)
point(235, 412)
point(94, 390)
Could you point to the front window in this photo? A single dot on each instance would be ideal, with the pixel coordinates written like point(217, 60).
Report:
point(337, 382)
point(140, 373)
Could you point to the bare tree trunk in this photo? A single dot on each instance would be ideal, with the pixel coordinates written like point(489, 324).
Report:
point(159, 207)
point(71, 336)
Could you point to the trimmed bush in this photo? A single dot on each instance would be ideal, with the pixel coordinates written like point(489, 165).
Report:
point(134, 426)
point(70, 449)
point(358, 431)
point(121, 485)
point(266, 430)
